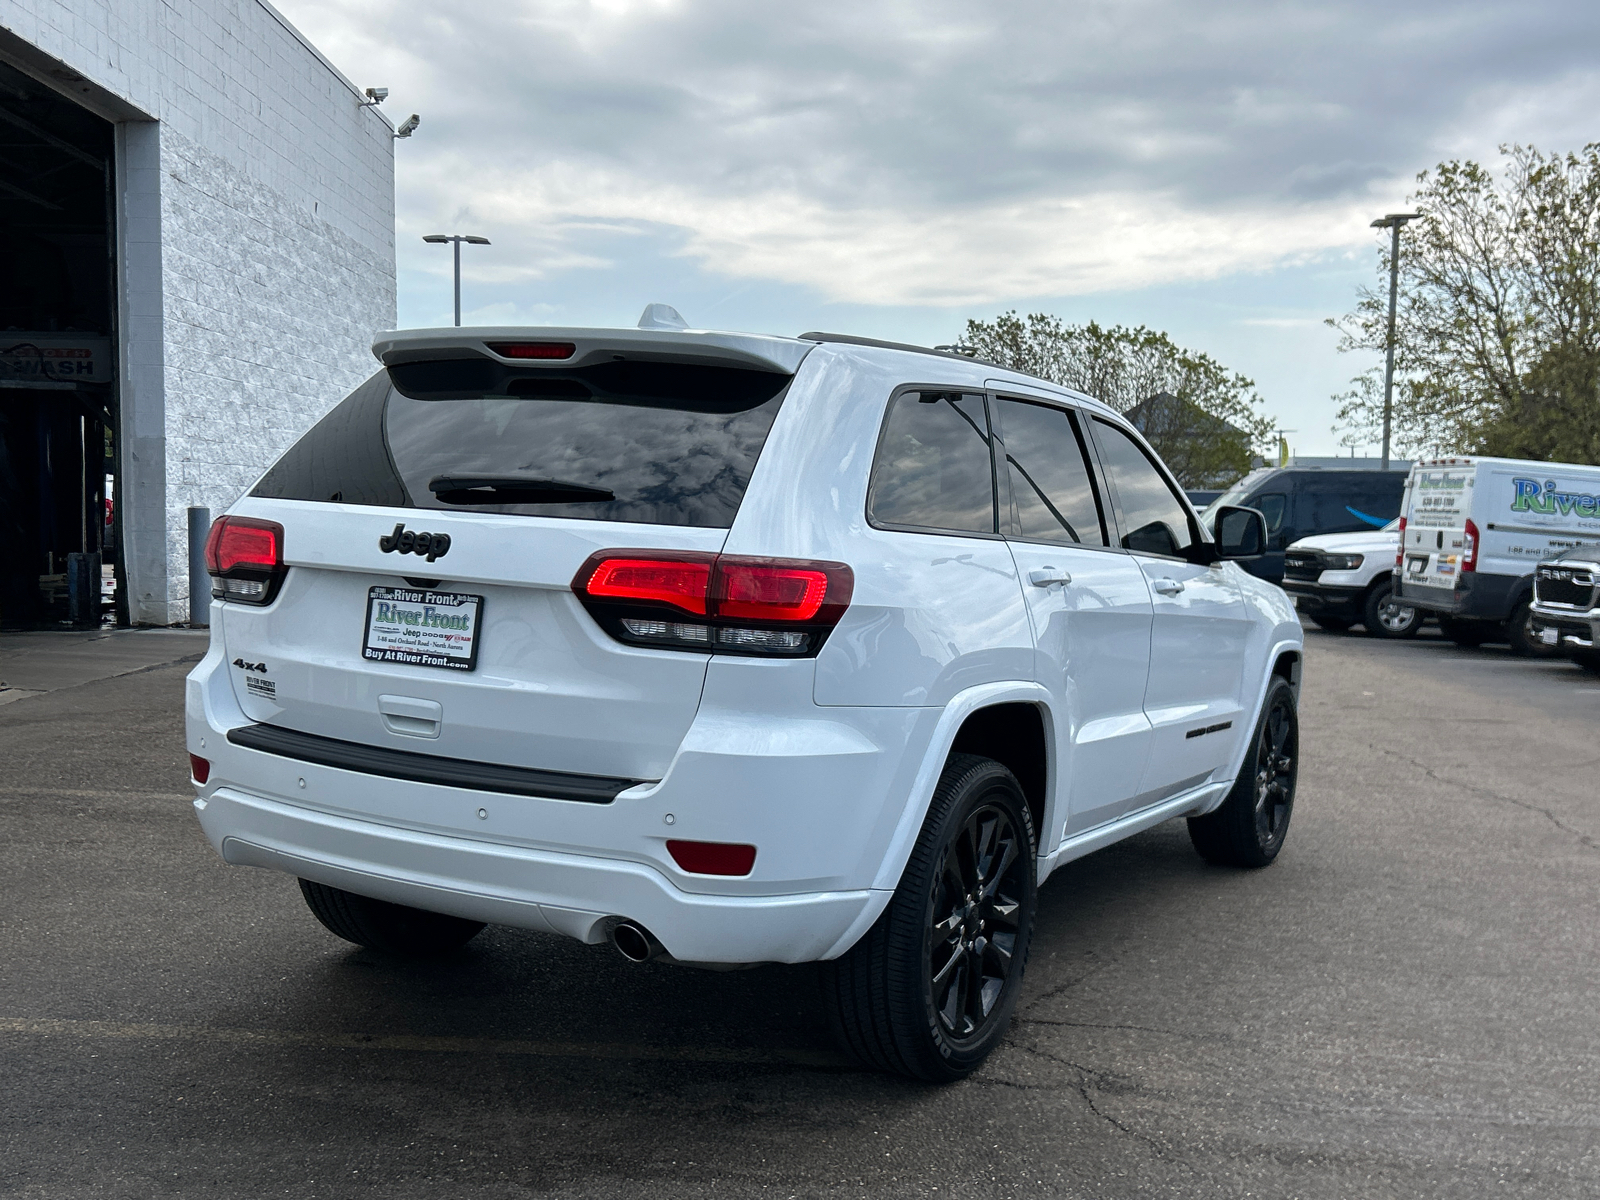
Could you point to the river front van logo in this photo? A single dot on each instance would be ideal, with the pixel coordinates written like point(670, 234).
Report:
point(1532, 497)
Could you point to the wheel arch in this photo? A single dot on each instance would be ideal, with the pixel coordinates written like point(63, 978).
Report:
point(1285, 661)
point(1377, 581)
point(953, 724)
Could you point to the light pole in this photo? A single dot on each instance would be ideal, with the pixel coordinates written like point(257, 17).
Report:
point(1392, 222)
point(471, 239)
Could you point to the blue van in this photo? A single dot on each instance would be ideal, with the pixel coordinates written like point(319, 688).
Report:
point(1301, 501)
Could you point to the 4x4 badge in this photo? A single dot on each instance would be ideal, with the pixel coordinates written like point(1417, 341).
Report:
point(404, 541)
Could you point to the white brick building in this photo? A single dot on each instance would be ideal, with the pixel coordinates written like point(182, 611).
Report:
point(248, 240)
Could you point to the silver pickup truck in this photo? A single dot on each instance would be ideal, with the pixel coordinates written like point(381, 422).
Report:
point(1566, 604)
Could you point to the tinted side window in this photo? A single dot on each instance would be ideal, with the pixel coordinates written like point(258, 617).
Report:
point(1332, 507)
point(343, 457)
point(1380, 499)
point(933, 469)
point(1052, 491)
point(1154, 520)
point(1272, 506)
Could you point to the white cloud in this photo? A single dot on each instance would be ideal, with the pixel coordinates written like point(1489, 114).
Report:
point(940, 153)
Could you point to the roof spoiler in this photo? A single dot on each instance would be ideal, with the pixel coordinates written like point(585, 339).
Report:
point(753, 352)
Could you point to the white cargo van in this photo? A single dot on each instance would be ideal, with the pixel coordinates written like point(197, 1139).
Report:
point(1472, 531)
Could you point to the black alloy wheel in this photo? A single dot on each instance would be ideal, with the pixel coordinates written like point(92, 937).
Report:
point(929, 990)
point(1275, 766)
point(1249, 828)
point(974, 920)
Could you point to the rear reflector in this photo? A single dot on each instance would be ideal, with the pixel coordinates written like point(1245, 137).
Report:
point(713, 858)
point(545, 350)
point(761, 606)
point(199, 768)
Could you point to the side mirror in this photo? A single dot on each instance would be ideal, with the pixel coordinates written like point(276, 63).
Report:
point(1240, 532)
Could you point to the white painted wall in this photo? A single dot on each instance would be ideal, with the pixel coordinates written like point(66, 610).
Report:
point(260, 196)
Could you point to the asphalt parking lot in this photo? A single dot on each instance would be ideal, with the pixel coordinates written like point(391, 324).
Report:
point(1404, 1005)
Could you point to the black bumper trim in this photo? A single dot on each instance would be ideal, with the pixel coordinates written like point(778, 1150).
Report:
point(429, 768)
point(1335, 601)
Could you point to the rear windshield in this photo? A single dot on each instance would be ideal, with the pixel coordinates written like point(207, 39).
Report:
point(658, 443)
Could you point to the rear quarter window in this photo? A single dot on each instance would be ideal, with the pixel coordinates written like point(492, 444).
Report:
point(933, 470)
point(657, 443)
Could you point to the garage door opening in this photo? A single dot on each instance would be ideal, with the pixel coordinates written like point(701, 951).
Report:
point(58, 417)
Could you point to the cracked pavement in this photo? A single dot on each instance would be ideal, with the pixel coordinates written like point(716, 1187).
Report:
point(1404, 1005)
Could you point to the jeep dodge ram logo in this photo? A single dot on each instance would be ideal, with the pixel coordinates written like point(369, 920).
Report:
point(404, 541)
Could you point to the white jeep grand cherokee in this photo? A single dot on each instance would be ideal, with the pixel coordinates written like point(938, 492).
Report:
point(732, 649)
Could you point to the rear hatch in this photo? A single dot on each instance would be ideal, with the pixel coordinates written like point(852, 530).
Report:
point(1434, 545)
point(433, 523)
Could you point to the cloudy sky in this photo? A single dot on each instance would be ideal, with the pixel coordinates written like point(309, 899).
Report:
point(891, 168)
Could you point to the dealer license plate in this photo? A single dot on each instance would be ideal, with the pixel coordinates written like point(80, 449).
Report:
point(1549, 635)
point(1417, 565)
point(422, 628)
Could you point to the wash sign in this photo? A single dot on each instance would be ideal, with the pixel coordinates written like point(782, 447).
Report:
point(54, 358)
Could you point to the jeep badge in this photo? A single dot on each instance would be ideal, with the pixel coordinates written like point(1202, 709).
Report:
point(404, 541)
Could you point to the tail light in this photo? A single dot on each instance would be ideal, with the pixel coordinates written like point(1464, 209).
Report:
point(1469, 548)
point(713, 858)
point(1400, 546)
point(717, 603)
point(245, 559)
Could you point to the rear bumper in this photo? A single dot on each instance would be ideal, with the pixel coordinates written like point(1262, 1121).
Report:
point(1477, 595)
point(1317, 598)
point(570, 894)
point(819, 792)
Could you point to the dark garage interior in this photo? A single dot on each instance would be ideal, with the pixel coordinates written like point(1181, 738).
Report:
point(57, 358)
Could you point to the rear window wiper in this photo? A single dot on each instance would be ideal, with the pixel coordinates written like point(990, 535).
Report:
point(513, 489)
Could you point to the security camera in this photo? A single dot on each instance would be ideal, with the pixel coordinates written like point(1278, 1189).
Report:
point(408, 126)
point(376, 96)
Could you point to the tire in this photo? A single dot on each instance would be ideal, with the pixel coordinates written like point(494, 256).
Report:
point(1465, 632)
point(929, 990)
point(389, 928)
point(1331, 624)
point(1386, 617)
point(1523, 639)
point(1249, 828)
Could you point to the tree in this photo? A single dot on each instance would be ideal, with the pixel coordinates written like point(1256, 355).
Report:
point(1497, 336)
point(1126, 367)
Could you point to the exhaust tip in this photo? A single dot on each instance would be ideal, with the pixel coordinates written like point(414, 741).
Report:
point(634, 942)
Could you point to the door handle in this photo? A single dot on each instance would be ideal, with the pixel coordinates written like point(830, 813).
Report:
point(1167, 587)
point(1045, 576)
